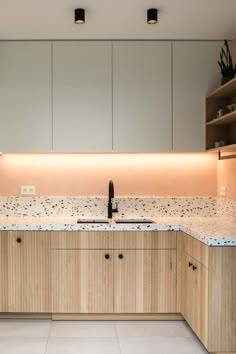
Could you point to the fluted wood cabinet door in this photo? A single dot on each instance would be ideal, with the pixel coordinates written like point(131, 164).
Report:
point(145, 281)
point(187, 291)
point(28, 269)
point(200, 300)
point(82, 281)
point(195, 296)
point(3, 277)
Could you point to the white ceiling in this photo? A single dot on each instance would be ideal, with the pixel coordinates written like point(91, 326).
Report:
point(117, 19)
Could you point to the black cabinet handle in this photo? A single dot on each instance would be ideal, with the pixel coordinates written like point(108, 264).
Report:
point(190, 264)
point(18, 240)
point(194, 267)
point(121, 256)
point(107, 256)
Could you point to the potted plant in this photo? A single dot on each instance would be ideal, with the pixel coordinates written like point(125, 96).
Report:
point(227, 68)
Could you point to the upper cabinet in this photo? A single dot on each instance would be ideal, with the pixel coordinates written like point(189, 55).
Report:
point(103, 96)
point(25, 91)
point(142, 120)
point(195, 73)
point(82, 96)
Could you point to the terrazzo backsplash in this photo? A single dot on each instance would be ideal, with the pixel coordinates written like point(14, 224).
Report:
point(128, 207)
point(226, 207)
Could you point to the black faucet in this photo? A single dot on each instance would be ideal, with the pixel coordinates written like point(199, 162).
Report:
point(110, 208)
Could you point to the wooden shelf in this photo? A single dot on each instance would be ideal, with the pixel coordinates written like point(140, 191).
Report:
point(224, 91)
point(228, 118)
point(226, 148)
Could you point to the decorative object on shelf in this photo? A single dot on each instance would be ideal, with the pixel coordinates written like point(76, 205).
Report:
point(220, 112)
point(79, 16)
point(232, 107)
point(152, 16)
point(227, 68)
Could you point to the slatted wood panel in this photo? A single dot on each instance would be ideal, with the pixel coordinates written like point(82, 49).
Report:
point(3, 272)
point(145, 281)
point(81, 240)
point(178, 271)
point(195, 296)
point(82, 281)
point(222, 300)
point(200, 302)
point(187, 289)
point(145, 240)
point(28, 272)
point(196, 249)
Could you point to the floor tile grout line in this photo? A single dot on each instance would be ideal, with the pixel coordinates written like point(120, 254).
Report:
point(49, 335)
point(116, 322)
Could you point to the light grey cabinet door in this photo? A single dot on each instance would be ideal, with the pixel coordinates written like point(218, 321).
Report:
point(82, 96)
point(142, 119)
point(195, 74)
point(25, 96)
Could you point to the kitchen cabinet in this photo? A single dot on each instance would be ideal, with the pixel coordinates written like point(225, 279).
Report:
point(93, 278)
point(26, 273)
point(209, 293)
point(82, 96)
point(82, 281)
point(195, 74)
point(142, 120)
point(145, 281)
point(194, 301)
point(221, 128)
point(25, 90)
point(3, 267)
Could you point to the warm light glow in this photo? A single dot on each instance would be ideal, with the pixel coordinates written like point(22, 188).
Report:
point(165, 174)
point(79, 22)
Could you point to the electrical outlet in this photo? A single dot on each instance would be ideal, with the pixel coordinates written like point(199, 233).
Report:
point(27, 190)
point(223, 191)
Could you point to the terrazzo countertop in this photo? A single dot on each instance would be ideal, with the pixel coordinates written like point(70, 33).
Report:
point(213, 231)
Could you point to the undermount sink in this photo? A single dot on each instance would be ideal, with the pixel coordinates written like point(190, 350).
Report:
point(133, 221)
point(92, 221)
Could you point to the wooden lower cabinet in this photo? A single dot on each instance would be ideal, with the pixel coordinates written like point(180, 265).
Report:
point(25, 271)
point(121, 280)
point(208, 293)
point(145, 281)
point(195, 296)
point(82, 281)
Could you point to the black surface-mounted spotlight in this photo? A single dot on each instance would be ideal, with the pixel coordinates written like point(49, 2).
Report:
point(152, 16)
point(79, 16)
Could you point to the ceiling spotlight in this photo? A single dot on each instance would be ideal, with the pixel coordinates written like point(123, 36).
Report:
point(79, 16)
point(152, 16)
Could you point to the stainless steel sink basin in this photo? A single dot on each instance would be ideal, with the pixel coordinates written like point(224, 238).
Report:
point(92, 221)
point(133, 221)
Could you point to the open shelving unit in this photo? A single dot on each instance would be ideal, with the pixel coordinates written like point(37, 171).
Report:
point(221, 128)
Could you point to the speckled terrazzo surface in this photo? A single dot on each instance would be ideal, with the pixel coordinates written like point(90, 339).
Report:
point(199, 217)
point(97, 207)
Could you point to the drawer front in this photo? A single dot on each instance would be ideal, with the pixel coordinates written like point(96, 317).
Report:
point(81, 240)
point(145, 240)
point(196, 249)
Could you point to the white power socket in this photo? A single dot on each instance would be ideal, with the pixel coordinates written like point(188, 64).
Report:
point(223, 191)
point(27, 190)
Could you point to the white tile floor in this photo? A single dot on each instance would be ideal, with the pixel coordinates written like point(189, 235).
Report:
point(97, 337)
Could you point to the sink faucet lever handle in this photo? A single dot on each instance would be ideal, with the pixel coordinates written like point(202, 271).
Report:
point(115, 210)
